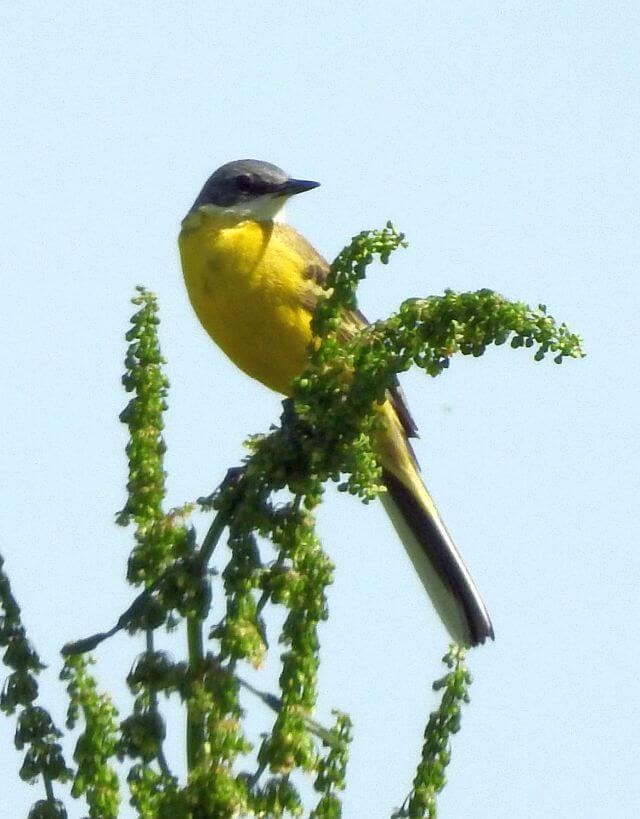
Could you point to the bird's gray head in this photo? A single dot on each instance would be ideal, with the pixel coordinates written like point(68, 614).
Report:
point(249, 189)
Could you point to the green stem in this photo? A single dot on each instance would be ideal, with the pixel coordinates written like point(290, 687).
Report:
point(212, 537)
point(195, 734)
point(48, 788)
point(153, 699)
point(264, 597)
point(195, 641)
point(256, 777)
point(195, 644)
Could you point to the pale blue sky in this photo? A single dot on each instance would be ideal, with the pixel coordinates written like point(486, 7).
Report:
point(502, 137)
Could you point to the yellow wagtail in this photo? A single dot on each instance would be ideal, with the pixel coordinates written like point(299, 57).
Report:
point(254, 283)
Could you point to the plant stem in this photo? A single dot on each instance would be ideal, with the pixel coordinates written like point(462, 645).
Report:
point(195, 643)
point(195, 733)
point(48, 787)
point(153, 698)
point(212, 537)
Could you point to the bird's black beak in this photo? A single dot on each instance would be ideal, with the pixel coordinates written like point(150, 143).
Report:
point(293, 186)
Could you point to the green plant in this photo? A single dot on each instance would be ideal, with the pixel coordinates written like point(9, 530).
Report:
point(324, 434)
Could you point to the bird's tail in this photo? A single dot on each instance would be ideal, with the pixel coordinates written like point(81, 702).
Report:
point(436, 558)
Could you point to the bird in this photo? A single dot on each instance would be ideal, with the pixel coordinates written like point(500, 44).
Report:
point(254, 283)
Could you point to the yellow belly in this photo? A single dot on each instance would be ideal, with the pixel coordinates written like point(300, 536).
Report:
point(244, 284)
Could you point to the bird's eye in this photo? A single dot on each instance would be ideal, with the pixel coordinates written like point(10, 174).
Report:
point(243, 182)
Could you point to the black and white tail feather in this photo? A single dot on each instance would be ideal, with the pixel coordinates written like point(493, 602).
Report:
point(437, 561)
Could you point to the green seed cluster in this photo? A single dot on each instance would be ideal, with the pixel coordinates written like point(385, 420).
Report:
point(339, 395)
point(346, 272)
point(159, 537)
point(213, 789)
point(95, 778)
point(35, 729)
point(163, 557)
point(240, 634)
point(299, 584)
point(332, 771)
point(336, 396)
point(428, 332)
point(297, 580)
point(436, 753)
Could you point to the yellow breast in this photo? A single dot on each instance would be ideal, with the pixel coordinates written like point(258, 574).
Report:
point(244, 282)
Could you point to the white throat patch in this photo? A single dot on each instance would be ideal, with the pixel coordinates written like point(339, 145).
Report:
point(266, 208)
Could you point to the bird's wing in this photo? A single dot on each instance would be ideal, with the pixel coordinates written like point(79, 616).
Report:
point(315, 276)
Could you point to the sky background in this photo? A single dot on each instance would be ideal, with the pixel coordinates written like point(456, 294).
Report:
point(502, 138)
